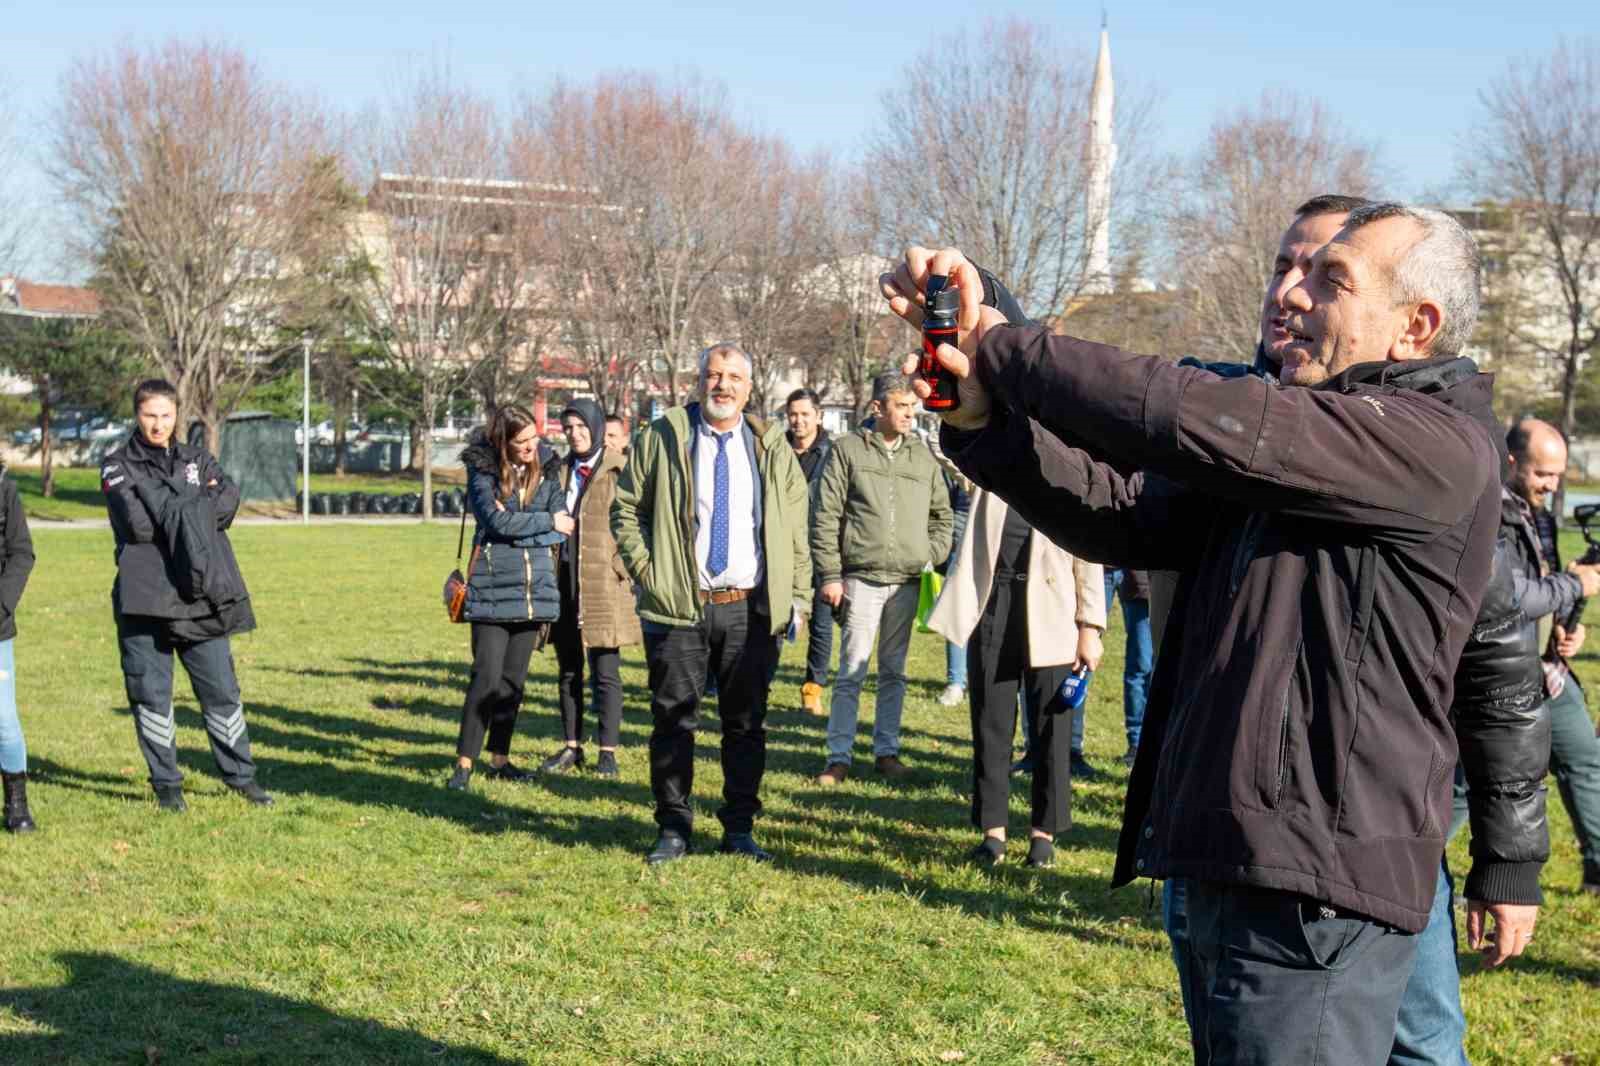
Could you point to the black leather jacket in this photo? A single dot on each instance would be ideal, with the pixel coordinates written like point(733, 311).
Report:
point(1502, 727)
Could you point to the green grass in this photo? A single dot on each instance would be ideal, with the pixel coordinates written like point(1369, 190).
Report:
point(374, 917)
point(78, 495)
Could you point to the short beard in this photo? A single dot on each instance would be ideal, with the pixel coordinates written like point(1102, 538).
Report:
point(1306, 375)
point(720, 411)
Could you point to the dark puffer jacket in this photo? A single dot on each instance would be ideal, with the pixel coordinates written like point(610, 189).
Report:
point(170, 509)
point(16, 555)
point(514, 576)
point(1504, 731)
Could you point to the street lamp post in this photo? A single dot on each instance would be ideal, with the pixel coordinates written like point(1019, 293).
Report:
point(305, 433)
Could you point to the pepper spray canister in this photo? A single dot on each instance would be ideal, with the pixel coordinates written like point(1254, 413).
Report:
point(943, 304)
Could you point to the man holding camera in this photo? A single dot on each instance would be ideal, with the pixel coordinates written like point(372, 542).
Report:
point(1333, 542)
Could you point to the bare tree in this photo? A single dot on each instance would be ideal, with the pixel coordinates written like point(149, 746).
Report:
point(987, 146)
point(1534, 156)
point(1238, 193)
point(15, 213)
point(662, 181)
point(191, 175)
point(437, 211)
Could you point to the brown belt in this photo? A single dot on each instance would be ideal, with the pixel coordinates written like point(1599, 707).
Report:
point(722, 596)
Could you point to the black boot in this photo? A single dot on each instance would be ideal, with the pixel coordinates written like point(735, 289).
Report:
point(18, 818)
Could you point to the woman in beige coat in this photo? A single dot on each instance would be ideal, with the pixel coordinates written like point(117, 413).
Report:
point(597, 614)
point(1030, 614)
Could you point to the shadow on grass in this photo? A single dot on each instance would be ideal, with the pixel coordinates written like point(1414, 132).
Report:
point(113, 1010)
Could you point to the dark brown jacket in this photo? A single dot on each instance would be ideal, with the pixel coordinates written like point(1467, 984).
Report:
point(1333, 546)
point(605, 591)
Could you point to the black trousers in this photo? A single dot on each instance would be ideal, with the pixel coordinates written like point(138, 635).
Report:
point(605, 675)
point(997, 657)
point(734, 643)
point(500, 654)
point(147, 676)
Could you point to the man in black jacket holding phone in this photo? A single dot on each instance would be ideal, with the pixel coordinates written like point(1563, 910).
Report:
point(1333, 542)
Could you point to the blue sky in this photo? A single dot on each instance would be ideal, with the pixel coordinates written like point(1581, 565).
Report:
point(1405, 75)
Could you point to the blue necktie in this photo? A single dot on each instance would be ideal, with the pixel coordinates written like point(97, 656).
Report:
point(717, 558)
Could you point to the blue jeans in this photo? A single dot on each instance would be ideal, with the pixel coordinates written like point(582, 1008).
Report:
point(1431, 1025)
point(1138, 660)
point(955, 664)
point(13, 750)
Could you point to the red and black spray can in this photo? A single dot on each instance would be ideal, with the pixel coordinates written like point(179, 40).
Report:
point(939, 327)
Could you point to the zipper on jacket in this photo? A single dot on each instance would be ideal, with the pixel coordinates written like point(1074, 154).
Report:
point(1249, 538)
point(1283, 725)
point(527, 580)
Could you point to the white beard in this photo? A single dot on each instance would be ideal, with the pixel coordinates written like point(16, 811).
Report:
point(719, 411)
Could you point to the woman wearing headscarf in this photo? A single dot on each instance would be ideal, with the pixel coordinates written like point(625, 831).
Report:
point(597, 611)
point(1029, 614)
point(514, 491)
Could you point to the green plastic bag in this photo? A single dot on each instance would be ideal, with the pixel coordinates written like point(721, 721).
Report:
point(927, 597)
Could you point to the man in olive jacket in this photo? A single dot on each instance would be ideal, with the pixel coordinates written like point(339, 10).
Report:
point(710, 521)
point(1334, 541)
point(882, 514)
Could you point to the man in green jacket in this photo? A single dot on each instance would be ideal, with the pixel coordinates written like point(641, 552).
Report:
point(882, 515)
point(710, 521)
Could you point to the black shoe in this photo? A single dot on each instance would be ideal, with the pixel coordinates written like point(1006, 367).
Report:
point(1082, 770)
point(253, 792)
point(606, 765)
point(743, 844)
point(562, 761)
point(1022, 766)
point(18, 818)
point(669, 847)
point(991, 852)
point(509, 772)
point(460, 779)
point(1041, 853)
point(170, 798)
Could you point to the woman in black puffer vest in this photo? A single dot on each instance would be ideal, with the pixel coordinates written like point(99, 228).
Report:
point(514, 491)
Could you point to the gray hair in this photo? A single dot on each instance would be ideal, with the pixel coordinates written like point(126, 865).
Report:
point(723, 348)
point(1442, 267)
point(890, 382)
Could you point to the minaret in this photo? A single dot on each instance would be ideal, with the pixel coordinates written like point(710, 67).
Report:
point(1102, 158)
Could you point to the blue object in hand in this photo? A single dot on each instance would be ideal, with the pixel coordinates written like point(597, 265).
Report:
point(1075, 689)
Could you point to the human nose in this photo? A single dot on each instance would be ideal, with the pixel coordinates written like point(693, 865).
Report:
point(1295, 297)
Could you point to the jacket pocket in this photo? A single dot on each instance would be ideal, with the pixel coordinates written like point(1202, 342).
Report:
point(1283, 731)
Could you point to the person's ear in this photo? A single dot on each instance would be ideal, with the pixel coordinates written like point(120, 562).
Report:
point(1420, 330)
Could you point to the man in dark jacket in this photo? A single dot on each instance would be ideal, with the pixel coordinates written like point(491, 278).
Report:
point(812, 446)
point(1334, 541)
point(178, 591)
point(1536, 462)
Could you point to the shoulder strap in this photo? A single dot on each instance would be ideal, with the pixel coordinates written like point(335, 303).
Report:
point(461, 538)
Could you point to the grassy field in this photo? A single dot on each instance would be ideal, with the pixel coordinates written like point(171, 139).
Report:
point(78, 490)
point(373, 917)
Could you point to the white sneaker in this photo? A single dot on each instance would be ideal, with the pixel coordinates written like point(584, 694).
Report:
point(952, 695)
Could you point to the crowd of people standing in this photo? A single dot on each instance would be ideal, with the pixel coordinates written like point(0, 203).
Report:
point(1338, 580)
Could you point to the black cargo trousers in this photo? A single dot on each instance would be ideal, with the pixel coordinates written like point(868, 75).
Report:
point(147, 674)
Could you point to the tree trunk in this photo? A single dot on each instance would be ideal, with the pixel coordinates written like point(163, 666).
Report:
point(341, 431)
point(428, 404)
point(1569, 414)
point(414, 465)
point(47, 474)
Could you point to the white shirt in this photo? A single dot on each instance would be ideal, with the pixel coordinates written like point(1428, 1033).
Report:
point(593, 464)
point(745, 565)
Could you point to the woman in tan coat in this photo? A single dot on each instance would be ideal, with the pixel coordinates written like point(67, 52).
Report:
point(597, 613)
point(1029, 614)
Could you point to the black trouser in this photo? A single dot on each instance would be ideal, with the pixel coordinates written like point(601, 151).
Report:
point(147, 676)
point(605, 674)
point(500, 654)
point(997, 665)
point(734, 642)
point(1274, 978)
point(819, 640)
